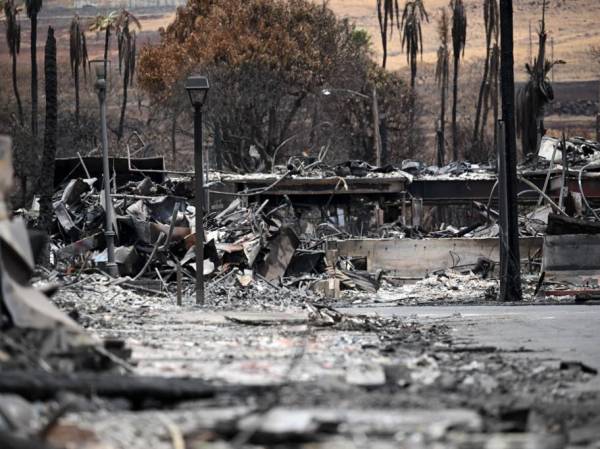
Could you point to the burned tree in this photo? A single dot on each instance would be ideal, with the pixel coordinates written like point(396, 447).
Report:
point(126, 39)
point(459, 41)
point(490, 17)
point(78, 57)
point(46, 182)
point(412, 36)
point(387, 14)
point(33, 8)
point(105, 23)
point(13, 38)
point(442, 75)
point(535, 94)
point(269, 61)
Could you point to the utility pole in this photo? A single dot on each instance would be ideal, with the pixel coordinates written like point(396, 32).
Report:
point(510, 283)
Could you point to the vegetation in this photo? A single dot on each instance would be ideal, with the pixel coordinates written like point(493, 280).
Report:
point(268, 61)
point(13, 39)
point(491, 22)
point(127, 52)
point(78, 57)
point(535, 94)
point(33, 7)
point(412, 35)
point(459, 41)
point(387, 14)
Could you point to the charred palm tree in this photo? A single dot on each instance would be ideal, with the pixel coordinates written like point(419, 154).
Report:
point(387, 14)
point(78, 57)
point(105, 24)
point(535, 94)
point(442, 75)
point(412, 36)
point(491, 19)
point(13, 38)
point(126, 44)
point(459, 40)
point(45, 186)
point(33, 8)
point(491, 98)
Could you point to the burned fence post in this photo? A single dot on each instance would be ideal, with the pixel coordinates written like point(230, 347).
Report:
point(511, 283)
point(100, 66)
point(197, 89)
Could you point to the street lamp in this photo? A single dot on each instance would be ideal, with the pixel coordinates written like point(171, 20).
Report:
point(376, 130)
point(100, 69)
point(197, 89)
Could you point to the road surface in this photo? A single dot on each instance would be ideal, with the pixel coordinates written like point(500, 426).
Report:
point(562, 332)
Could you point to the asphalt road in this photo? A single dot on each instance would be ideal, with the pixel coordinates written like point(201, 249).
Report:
point(561, 332)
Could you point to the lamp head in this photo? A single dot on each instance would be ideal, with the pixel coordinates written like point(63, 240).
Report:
point(197, 87)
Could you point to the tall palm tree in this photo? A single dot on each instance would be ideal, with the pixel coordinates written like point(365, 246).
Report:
point(13, 38)
point(78, 57)
point(46, 182)
point(105, 23)
point(459, 40)
point(535, 94)
point(127, 50)
point(33, 8)
point(412, 37)
point(491, 19)
point(442, 75)
point(388, 12)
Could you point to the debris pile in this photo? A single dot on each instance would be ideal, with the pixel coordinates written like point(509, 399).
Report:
point(35, 334)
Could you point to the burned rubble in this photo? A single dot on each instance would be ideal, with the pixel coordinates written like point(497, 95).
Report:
point(272, 347)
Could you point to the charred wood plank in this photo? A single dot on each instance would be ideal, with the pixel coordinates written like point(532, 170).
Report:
point(38, 385)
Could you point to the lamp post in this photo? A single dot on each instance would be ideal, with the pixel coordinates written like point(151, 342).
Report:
point(197, 89)
point(100, 69)
point(376, 121)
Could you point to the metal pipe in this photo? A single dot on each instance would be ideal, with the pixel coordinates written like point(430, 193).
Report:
point(109, 233)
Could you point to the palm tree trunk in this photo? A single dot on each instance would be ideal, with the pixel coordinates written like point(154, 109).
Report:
point(34, 93)
point(480, 99)
point(495, 91)
point(77, 95)
point(16, 87)
point(106, 43)
point(123, 104)
point(173, 136)
point(442, 126)
point(454, 108)
point(50, 133)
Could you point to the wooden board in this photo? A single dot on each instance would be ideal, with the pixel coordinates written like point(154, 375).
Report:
point(418, 258)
